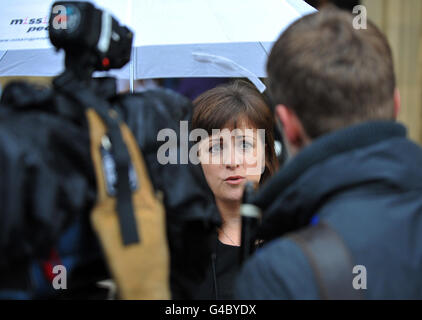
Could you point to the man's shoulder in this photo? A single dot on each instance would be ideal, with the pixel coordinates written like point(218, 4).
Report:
point(279, 270)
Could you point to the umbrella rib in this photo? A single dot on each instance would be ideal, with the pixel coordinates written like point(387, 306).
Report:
point(263, 48)
point(2, 54)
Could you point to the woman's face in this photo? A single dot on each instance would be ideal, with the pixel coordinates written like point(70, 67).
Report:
point(231, 158)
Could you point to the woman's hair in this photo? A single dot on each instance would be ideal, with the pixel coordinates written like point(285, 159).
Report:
point(225, 105)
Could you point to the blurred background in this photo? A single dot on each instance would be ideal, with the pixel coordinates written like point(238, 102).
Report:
point(401, 21)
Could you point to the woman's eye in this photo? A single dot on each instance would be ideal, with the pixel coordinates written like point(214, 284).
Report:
point(245, 145)
point(215, 148)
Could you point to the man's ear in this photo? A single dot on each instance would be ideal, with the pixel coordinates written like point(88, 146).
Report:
point(397, 103)
point(291, 124)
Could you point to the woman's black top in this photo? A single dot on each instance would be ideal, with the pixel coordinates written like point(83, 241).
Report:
point(222, 271)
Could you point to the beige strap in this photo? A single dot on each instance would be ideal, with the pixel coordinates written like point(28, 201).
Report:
point(141, 270)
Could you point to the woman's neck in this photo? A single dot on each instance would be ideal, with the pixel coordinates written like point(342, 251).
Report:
point(229, 233)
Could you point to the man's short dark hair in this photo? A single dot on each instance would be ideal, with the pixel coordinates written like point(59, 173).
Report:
point(331, 74)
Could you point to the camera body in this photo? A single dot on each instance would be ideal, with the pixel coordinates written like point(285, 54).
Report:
point(48, 186)
point(89, 36)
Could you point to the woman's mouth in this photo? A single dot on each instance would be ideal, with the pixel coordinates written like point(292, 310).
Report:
point(234, 180)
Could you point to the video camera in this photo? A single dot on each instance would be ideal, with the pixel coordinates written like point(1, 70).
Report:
point(48, 186)
point(91, 38)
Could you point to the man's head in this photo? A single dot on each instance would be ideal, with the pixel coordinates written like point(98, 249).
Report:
point(325, 75)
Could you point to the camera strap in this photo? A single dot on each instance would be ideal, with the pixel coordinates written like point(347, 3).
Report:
point(331, 261)
point(88, 100)
point(139, 268)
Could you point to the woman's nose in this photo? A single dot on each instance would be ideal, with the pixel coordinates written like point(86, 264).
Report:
point(232, 158)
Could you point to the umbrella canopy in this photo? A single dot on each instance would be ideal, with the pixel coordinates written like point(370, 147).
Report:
point(173, 38)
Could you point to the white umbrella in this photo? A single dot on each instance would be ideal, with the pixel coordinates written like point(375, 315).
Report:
point(173, 38)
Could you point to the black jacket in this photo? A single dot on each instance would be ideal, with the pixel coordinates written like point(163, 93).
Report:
point(224, 264)
point(366, 183)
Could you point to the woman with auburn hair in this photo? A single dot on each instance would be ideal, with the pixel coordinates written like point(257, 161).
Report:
point(239, 148)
